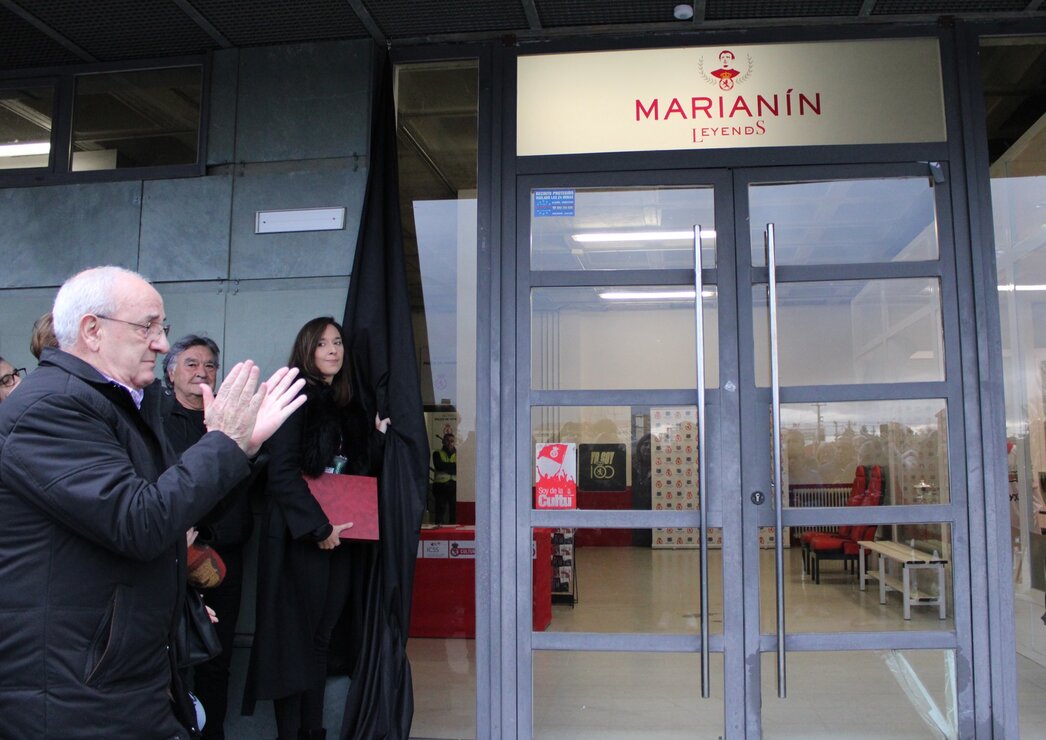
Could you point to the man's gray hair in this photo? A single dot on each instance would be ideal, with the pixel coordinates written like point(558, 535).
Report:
point(90, 291)
point(189, 340)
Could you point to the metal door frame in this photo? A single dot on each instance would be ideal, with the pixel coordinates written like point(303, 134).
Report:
point(741, 639)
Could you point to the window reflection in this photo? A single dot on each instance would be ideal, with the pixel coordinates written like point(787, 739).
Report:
point(25, 127)
point(620, 229)
point(824, 443)
point(140, 118)
point(846, 221)
point(437, 121)
point(852, 331)
point(635, 337)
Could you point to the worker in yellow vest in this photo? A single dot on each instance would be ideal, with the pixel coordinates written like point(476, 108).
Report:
point(445, 480)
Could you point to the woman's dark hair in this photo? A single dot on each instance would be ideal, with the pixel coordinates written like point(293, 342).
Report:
point(303, 357)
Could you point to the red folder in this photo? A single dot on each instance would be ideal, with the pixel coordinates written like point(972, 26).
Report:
point(348, 498)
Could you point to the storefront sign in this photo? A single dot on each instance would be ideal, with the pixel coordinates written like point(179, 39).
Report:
point(555, 476)
point(883, 91)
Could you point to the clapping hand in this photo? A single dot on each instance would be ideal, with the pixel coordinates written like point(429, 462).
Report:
point(247, 416)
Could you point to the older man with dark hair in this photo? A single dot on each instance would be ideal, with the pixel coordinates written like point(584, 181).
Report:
point(191, 364)
point(93, 512)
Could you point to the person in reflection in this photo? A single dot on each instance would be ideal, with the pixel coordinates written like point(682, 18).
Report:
point(10, 377)
point(304, 566)
point(641, 488)
point(43, 335)
point(93, 514)
point(192, 363)
point(445, 480)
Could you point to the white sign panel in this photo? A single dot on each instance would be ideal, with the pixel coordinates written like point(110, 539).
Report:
point(884, 91)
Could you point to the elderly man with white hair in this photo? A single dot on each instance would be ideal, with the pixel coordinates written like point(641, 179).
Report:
point(93, 513)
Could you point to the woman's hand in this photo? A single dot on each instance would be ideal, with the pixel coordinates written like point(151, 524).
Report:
point(334, 538)
point(190, 536)
point(381, 424)
point(212, 614)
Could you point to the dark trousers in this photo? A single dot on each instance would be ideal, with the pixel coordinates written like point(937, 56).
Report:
point(305, 711)
point(211, 679)
point(446, 495)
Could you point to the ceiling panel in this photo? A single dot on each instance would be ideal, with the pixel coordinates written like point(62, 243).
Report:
point(425, 18)
point(123, 29)
point(261, 22)
point(22, 45)
point(117, 30)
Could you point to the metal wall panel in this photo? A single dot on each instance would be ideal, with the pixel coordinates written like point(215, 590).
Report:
point(185, 229)
point(47, 234)
point(19, 309)
point(296, 254)
point(221, 124)
point(306, 101)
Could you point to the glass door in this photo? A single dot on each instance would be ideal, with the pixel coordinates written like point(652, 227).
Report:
point(678, 334)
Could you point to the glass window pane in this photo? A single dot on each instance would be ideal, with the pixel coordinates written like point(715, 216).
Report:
point(637, 337)
point(853, 331)
point(612, 580)
point(437, 113)
point(618, 457)
point(825, 446)
point(25, 126)
point(845, 221)
point(141, 118)
point(624, 695)
point(862, 694)
point(620, 229)
point(824, 588)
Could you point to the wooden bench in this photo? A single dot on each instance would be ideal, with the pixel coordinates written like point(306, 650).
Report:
point(910, 559)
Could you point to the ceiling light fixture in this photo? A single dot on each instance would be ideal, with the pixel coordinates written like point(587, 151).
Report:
point(654, 295)
point(639, 236)
point(683, 12)
point(1011, 288)
point(25, 150)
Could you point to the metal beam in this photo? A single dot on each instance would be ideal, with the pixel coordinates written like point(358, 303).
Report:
point(368, 22)
point(45, 29)
point(208, 28)
point(867, 7)
point(531, 11)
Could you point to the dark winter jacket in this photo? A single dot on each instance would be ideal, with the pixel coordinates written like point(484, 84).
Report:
point(231, 521)
point(292, 570)
point(92, 553)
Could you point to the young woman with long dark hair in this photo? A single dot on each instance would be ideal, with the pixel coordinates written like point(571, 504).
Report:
point(304, 571)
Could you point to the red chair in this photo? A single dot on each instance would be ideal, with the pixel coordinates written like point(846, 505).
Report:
point(857, 491)
point(843, 546)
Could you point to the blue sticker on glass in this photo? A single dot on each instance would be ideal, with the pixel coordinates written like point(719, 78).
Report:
point(553, 203)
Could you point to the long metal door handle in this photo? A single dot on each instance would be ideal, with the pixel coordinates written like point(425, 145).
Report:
point(775, 407)
point(702, 479)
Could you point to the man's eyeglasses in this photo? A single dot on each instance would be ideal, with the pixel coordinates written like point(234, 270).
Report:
point(152, 330)
point(8, 380)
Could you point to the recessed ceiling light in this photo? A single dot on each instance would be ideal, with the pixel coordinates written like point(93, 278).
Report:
point(683, 12)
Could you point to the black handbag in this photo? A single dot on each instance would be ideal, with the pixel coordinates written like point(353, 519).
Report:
point(196, 639)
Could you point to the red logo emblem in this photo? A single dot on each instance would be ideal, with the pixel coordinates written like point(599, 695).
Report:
point(726, 74)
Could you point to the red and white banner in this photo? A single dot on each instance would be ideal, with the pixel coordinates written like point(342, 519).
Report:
point(556, 476)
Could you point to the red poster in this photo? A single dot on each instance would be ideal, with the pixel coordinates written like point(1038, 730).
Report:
point(556, 476)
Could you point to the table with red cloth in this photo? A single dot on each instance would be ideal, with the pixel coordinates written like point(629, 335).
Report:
point(444, 603)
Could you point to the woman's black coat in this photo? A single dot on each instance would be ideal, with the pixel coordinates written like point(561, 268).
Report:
point(292, 569)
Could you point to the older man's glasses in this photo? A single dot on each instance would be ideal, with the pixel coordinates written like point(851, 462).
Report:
point(152, 330)
point(8, 380)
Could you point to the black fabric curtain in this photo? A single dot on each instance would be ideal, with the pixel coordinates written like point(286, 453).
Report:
point(380, 702)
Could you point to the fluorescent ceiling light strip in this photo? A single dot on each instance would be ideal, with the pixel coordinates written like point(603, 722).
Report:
point(656, 295)
point(25, 150)
point(1011, 288)
point(638, 236)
